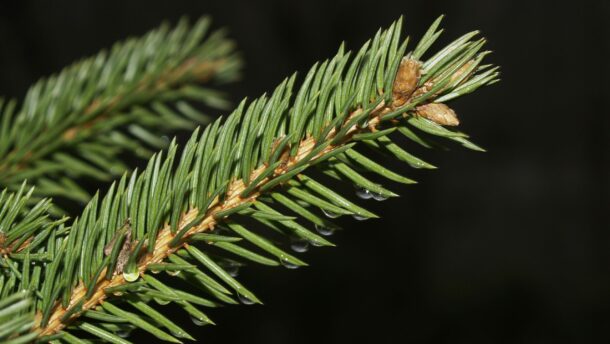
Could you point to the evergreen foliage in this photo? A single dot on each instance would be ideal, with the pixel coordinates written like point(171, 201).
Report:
point(86, 120)
point(239, 191)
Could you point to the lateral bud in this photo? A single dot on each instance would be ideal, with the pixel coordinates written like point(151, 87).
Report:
point(406, 81)
point(438, 113)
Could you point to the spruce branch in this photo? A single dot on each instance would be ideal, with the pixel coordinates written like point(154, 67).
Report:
point(183, 214)
point(77, 123)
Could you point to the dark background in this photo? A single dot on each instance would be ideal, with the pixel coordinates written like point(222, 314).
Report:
point(510, 246)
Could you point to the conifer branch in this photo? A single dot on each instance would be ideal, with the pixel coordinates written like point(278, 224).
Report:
point(76, 123)
point(233, 200)
point(178, 214)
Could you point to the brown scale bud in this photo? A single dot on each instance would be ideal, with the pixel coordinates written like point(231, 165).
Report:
point(438, 113)
point(406, 81)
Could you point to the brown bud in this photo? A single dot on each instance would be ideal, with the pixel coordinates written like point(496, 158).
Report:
point(406, 80)
point(438, 113)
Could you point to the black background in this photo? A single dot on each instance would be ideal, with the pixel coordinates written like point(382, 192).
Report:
point(510, 246)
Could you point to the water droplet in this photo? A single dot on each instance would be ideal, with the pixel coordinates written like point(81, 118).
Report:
point(363, 193)
point(155, 271)
point(117, 293)
point(131, 276)
point(232, 270)
point(299, 245)
point(173, 272)
point(145, 298)
point(161, 301)
point(199, 321)
point(315, 242)
point(379, 197)
point(330, 214)
point(178, 334)
point(287, 264)
point(326, 231)
point(245, 300)
point(359, 217)
point(124, 332)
